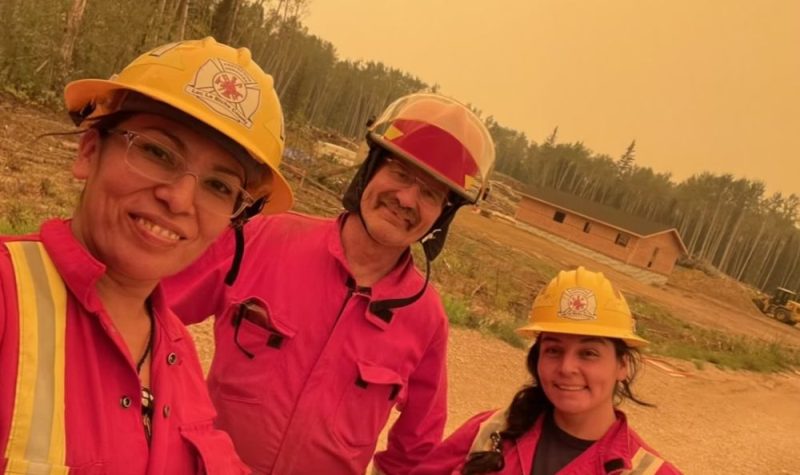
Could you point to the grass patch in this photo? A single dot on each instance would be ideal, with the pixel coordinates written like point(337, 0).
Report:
point(673, 337)
point(460, 314)
point(506, 331)
point(14, 228)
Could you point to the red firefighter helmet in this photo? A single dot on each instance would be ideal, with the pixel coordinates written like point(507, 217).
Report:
point(442, 137)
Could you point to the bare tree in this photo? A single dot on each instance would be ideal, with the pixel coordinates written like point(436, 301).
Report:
point(71, 29)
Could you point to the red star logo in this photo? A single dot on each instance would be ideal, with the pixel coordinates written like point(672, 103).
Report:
point(577, 303)
point(229, 87)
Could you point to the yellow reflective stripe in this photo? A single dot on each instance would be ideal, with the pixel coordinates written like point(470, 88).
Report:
point(644, 463)
point(37, 442)
point(58, 442)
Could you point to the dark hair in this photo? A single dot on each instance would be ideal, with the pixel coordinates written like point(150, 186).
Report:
point(531, 402)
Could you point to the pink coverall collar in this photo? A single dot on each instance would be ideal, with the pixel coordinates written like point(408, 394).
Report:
point(80, 272)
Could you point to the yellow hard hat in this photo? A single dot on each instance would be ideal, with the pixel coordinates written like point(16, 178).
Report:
point(441, 136)
point(209, 81)
point(582, 302)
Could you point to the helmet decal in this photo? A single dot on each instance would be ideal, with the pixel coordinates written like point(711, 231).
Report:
point(226, 89)
point(158, 51)
point(392, 133)
point(578, 304)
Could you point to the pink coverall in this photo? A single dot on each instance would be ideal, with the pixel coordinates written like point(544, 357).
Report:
point(325, 371)
point(103, 423)
point(618, 452)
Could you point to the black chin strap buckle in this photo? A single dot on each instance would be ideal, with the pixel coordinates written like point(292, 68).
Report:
point(383, 308)
point(430, 235)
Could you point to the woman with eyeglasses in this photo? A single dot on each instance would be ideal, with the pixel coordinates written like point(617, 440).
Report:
point(97, 375)
point(583, 363)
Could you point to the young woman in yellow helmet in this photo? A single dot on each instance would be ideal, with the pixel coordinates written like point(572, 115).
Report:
point(583, 362)
point(97, 375)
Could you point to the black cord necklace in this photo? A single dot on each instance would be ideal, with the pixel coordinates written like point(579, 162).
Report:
point(148, 400)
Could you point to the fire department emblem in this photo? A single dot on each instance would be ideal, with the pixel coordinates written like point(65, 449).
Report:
point(227, 90)
point(578, 304)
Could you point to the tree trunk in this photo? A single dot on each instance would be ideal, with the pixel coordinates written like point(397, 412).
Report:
point(183, 10)
point(726, 253)
point(155, 24)
point(71, 30)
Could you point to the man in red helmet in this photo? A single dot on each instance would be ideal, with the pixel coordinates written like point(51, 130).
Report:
point(330, 324)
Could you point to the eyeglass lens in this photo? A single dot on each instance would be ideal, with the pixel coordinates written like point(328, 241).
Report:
point(405, 177)
point(218, 192)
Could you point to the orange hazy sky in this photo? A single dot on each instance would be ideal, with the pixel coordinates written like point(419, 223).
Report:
point(699, 84)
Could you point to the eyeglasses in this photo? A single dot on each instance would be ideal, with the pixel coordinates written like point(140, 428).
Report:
point(401, 175)
point(218, 192)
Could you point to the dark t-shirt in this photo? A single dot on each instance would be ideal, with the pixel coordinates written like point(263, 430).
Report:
point(555, 448)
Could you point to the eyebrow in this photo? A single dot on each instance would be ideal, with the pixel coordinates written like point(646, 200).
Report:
point(178, 143)
point(421, 175)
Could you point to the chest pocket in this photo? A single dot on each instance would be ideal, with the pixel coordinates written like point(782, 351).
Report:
point(254, 327)
point(366, 403)
point(37, 436)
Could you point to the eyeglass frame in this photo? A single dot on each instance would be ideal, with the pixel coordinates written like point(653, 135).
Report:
point(411, 179)
point(243, 198)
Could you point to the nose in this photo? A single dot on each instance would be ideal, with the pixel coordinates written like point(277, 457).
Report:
point(569, 363)
point(179, 196)
point(408, 195)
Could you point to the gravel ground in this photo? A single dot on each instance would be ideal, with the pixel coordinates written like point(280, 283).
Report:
point(706, 421)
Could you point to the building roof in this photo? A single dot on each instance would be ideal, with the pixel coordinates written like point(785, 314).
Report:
point(597, 212)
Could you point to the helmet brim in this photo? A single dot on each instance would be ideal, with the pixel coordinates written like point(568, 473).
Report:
point(531, 331)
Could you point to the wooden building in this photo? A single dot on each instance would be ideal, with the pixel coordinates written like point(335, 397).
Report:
point(629, 239)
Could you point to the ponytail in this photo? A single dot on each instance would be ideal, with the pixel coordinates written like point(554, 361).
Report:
point(526, 407)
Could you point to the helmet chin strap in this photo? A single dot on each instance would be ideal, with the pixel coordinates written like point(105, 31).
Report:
point(237, 223)
point(383, 309)
point(432, 244)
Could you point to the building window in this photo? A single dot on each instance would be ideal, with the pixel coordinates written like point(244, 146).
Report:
point(587, 227)
point(622, 239)
point(559, 217)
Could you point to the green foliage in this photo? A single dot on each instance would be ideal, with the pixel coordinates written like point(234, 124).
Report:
point(671, 336)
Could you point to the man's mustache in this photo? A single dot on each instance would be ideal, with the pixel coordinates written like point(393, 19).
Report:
point(409, 214)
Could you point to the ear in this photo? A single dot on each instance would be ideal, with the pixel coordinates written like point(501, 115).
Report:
point(88, 154)
point(623, 368)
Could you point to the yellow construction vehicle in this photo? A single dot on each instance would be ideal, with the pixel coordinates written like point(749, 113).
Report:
point(781, 306)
